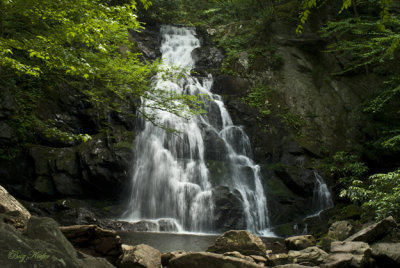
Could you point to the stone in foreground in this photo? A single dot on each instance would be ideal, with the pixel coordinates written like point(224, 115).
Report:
point(41, 245)
point(374, 232)
point(300, 242)
point(94, 241)
point(10, 206)
point(239, 240)
point(139, 256)
point(210, 260)
point(386, 254)
point(348, 254)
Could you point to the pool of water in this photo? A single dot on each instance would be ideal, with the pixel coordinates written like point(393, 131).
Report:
point(167, 242)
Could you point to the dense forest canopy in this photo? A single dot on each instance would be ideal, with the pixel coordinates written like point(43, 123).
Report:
point(85, 45)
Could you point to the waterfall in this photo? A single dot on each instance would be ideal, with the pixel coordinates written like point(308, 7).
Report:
point(322, 198)
point(171, 178)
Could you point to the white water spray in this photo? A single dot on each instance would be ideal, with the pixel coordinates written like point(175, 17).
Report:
point(171, 179)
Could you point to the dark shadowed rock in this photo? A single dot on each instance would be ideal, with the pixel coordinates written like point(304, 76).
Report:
point(209, 260)
point(93, 240)
point(239, 240)
point(230, 85)
point(375, 231)
point(386, 254)
point(139, 256)
point(41, 245)
point(228, 210)
point(300, 242)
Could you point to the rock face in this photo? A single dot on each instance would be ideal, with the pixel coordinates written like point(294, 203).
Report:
point(241, 241)
point(375, 231)
point(300, 242)
point(10, 206)
point(94, 241)
point(41, 245)
point(348, 254)
point(139, 256)
point(209, 260)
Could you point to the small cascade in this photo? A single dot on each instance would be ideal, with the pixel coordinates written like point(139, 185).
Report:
point(171, 178)
point(322, 198)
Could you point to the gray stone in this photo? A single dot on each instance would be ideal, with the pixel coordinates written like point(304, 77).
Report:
point(67, 185)
point(340, 230)
point(374, 232)
point(300, 242)
point(348, 254)
point(386, 254)
point(209, 260)
point(139, 256)
point(239, 240)
point(309, 256)
point(9, 205)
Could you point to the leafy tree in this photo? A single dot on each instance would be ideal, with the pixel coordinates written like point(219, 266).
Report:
point(83, 44)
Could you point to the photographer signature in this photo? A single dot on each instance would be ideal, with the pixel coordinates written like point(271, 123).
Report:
point(32, 255)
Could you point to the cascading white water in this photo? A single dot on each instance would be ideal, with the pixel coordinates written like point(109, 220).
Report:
point(171, 179)
point(322, 198)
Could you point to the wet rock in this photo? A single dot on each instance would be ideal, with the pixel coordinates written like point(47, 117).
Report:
point(340, 230)
point(41, 245)
point(208, 59)
point(230, 85)
point(209, 260)
point(375, 231)
point(239, 240)
point(139, 256)
point(10, 206)
point(228, 210)
point(148, 41)
point(386, 254)
point(94, 241)
point(300, 242)
point(348, 254)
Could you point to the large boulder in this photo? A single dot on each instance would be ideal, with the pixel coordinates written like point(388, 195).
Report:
point(300, 242)
point(374, 232)
point(239, 240)
point(139, 256)
point(210, 260)
point(228, 211)
point(10, 206)
point(340, 230)
point(41, 245)
point(348, 254)
point(94, 241)
point(386, 254)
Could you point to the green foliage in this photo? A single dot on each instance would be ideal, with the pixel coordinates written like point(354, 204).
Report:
point(259, 98)
point(345, 167)
point(379, 195)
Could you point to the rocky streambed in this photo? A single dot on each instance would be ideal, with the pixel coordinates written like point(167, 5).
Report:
point(30, 241)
